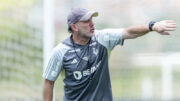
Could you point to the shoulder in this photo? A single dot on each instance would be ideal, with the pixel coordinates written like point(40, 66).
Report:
point(64, 45)
point(109, 31)
point(60, 50)
point(61, 46)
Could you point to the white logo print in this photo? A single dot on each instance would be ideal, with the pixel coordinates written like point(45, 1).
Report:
point(106, 38)
point(57, 66)
point(95, 51)
point(76, 50)
point(77, 75)
point(55, 72)
point(92, 44)
point(74, 61)
point(85, 58)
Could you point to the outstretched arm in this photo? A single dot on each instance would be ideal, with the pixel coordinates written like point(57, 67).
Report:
point(161, 27)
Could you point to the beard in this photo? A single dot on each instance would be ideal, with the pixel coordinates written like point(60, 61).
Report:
point(86, 35)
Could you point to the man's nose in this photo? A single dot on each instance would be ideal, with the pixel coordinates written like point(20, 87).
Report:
point(91, 23)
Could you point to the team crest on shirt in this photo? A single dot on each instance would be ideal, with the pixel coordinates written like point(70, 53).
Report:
point(95, 51)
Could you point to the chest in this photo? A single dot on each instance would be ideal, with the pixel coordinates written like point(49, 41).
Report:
point(83, 61)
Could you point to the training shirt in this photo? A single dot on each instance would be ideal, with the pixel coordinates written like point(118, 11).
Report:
point(86, 72)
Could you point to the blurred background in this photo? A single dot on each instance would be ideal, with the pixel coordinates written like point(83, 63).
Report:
point(144, 69)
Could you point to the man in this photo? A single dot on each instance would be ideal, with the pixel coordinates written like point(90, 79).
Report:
point(84, 56)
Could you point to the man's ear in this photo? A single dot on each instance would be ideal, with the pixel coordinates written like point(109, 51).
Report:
point(74, 27)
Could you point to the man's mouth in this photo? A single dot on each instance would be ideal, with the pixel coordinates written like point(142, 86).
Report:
point(92, 30)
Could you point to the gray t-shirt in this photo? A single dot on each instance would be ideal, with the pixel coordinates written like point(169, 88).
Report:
point(85, 67)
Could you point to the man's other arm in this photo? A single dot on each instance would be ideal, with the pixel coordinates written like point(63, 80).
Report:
point(48, 90)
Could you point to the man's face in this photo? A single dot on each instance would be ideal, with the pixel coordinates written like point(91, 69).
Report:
point(85, 28)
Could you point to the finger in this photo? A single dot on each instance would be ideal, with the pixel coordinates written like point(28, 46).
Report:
point(165, 33)
point(169, 21)
point(171, 26)
point(169, 29)
point(172, 23)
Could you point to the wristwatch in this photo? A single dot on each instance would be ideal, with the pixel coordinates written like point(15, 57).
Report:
point(151, 24)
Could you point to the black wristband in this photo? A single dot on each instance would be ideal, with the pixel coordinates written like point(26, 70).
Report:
point(151, 24)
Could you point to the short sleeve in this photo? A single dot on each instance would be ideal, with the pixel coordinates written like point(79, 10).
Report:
point(54, 66)
point(109, 37)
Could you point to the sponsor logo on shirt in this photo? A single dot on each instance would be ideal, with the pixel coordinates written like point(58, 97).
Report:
point(57, 66)
point(79, 74)
point(53, 73)
point(106, 37)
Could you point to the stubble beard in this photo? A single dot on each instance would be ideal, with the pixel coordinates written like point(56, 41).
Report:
point(87, 35)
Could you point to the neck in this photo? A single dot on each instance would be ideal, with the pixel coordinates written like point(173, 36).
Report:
point(80, 40)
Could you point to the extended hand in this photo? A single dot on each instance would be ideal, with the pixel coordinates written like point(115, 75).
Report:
point(164, 26)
